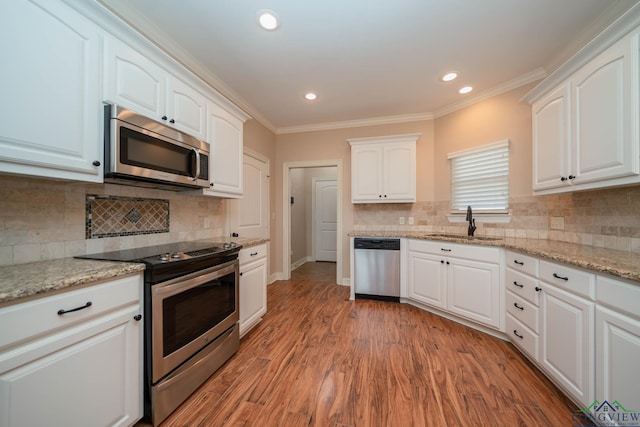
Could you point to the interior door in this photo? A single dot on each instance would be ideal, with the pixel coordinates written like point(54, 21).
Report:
point(249, 216)
point(325, 219)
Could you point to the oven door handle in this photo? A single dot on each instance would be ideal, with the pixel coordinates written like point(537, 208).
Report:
point(181, 284)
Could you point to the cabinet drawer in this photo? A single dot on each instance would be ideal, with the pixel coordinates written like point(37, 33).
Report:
point(523, 263)
point(523, 310)
point(522, 285)
point(252, 253)
point(31, 319)
point(522, 337)
point(619, 295)
point(571, 279)
point(446, 249)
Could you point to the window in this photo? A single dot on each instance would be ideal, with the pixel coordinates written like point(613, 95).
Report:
point(480, 178)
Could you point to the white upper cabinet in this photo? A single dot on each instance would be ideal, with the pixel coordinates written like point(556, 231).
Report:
point(551, 148)
point(50, 109)
point(224, 132)
point(383, 169)
point(606, 113)
point(586, 129)
point(133, 81)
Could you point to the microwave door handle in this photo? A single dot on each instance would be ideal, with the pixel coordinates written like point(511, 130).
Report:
point(197, 168)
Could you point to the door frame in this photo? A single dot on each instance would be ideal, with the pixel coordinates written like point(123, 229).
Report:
point(314, 227)
point(286, 212)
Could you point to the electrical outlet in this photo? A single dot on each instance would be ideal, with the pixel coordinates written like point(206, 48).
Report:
point(401, 220)
point(557, 223)
point(410, 220)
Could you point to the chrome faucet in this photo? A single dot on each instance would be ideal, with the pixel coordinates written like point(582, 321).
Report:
point(472, 222)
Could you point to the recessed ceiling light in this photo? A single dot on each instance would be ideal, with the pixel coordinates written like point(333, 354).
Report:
point(449, 76)
point(267, 20)
point(465, 89)
point(311, 96)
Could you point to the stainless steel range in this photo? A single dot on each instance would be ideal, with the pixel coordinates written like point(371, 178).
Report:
point(191, 311)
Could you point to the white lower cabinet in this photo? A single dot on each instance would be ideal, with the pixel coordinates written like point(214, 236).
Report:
point(464, 280)
point(567, 344)
point(80, 368)
point(253, 286)
point(618, 343)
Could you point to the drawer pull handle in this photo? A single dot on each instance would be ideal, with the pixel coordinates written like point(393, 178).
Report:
point(253, 254)
point(515, 304)
point(87, 305)
point(445, 250)
point(518, 262)
point(560, 277)
point(538, 289)
point(515, 332)
point(137, 317)
point(520, 285)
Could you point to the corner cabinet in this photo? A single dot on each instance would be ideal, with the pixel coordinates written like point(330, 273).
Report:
point(50, 90)
point(76, 367)
point(383, 169)
point(586, 129)
point(464, 280)
point(253, 286)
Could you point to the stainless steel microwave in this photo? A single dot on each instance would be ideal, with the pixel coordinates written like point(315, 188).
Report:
point(142, 152)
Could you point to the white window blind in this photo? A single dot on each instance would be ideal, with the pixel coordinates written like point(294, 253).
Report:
point(480, 178)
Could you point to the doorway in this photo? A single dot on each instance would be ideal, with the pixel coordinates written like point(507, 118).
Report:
point(294, 169)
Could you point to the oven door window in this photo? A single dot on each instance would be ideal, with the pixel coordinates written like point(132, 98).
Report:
point(189, 314)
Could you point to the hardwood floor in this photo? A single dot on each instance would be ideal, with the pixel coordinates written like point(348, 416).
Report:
point(319, 359)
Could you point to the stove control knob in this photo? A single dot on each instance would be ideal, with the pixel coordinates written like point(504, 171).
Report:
point(176, 255)
point(164, 257)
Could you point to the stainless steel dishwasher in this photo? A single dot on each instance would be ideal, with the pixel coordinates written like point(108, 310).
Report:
point(377, 268)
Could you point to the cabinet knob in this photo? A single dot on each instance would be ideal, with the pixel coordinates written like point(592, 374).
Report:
point(164, 117)
point(563, 179)
point(538, 289)
point(380, 196)
point(172, 121)
point(447, 262)
point(572, 177)
point(211, 184)
point(96, 163)
point(385, 195)
point(137, 317)
point(241, 274)
point(441, 261)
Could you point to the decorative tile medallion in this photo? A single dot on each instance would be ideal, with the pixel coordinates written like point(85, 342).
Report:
point(112, 216)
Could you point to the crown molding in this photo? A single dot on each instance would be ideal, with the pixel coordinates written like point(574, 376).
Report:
point(614, 32)
point(356, 123)
point(533, 76)
point(156, 36)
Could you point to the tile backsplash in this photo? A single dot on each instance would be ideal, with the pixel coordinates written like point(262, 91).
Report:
point(113, 216)
point(44, 219)
point(603, 218)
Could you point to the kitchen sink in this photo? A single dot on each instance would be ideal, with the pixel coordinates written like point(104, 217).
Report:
point(465, 237)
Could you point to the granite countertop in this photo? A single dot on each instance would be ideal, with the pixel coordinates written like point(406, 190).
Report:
point(22, 281)
point(622, 264)
point(38, 278)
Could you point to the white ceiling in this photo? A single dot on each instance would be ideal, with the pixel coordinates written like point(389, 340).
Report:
point(368, 60)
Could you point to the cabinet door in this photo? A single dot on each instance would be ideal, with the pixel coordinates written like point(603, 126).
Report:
point(133, 81)
point(427, 279)
point(366, 173)
point(186, 108)
point(91, 374)
point(400, 172)
point(606, 111)
point(226, 165)
point(567, 344)
point(551, 143)
point(474, 291)
point(618, 353)
point(50, 109)
point(253, 294)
